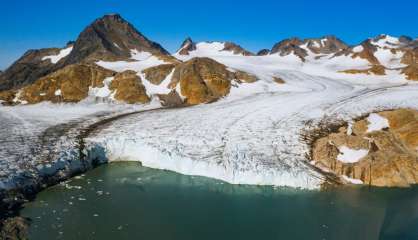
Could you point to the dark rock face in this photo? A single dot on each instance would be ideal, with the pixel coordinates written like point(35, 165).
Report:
point(325, 45)
point(171, 100)
point(289, 46)
point(263, 52)
point(110, 38)
point(405, 39)
point(27, 69)
point(187, 46)
point(236, 49)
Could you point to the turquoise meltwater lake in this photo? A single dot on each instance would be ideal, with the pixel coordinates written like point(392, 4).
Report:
point(128, 201)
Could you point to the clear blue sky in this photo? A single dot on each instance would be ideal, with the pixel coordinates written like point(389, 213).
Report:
point(254, 24)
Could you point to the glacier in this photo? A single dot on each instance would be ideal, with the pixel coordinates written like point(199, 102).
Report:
point(252, 136)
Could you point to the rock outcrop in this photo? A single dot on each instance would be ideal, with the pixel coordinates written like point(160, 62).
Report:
point(410, 58)
point(236, 49)
point(381, 150)
point(128, 88)
point(70, 84)
point(158, 73)
point(374, 69)
point(203, 80)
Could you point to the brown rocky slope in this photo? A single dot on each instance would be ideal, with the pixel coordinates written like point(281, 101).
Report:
point(390, 155)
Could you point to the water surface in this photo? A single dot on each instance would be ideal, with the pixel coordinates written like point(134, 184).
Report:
point(128, 201)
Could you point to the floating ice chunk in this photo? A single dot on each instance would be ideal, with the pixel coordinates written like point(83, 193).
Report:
point(376, 122)
point(348, 155)
point(62, 54)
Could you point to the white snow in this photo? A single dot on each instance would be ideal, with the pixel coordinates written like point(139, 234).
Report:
point(316, 44)
point(386, 42)
point(140, 61)
point(389, 59)
point(352, 180)
point(102, 92)
point(62, 54)
point(139, 56)
point(376, 122)
point(350, 128)
point(153, 89)
point(116, 45)
point(358, 49)
point(348, 155)
point(58, 92)
point(207, 49)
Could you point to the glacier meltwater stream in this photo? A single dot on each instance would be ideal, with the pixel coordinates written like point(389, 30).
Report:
point(128, 201)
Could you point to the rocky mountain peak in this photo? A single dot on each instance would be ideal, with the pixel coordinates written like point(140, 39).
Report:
point(111, 38)
point(187, 46)
point(325, 45)
point(288, 46)
point(405, 39)
point(263, 52)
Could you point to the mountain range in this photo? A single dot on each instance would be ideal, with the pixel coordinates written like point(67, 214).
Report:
point(112, 61)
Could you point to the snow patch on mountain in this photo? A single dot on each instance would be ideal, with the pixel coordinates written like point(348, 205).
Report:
point(348, 155)
point(376, 122)
point(140, 61)
point(102, 92)
point(204, 49)
point(162, 88)
point(386, 41)
point(62, 54)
